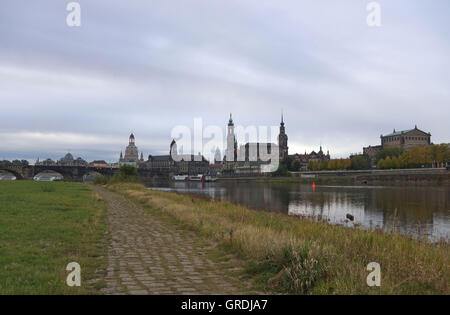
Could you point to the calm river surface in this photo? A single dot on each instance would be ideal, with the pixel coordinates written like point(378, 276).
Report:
point(417, 211)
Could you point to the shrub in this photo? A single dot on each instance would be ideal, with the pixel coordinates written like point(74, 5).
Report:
point(358, 162)
point(299, 269)
point(100, 180)
point(127, 174)
point(282, 170)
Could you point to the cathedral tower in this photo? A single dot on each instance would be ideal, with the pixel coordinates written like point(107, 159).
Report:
point(283, 141)
point(231, 142)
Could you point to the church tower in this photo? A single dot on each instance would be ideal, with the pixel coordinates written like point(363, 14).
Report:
point(231, 142)
point(131, 151)
point(283, 141)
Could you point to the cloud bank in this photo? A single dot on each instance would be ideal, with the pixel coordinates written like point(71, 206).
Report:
point(147, 66)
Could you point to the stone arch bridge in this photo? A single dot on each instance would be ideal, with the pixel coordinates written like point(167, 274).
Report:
point(76, 173)
point(70, 173)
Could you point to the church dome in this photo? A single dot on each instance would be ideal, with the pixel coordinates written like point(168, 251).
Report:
point(68, 157)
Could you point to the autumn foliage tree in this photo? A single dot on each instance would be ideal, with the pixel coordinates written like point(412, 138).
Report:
point(417, 156)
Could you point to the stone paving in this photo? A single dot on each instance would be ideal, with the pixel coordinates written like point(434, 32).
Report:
point(148, 256)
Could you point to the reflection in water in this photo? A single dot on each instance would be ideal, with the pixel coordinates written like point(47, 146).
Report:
point(416, 211)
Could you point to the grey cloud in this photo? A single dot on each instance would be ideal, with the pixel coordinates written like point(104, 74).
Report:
point(146, 66)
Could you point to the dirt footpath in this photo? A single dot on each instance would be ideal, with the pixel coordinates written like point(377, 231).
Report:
point(148, 256)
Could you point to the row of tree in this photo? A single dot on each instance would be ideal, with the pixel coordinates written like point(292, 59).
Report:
point(415, 157)
point(6, 163)
point(355, 163)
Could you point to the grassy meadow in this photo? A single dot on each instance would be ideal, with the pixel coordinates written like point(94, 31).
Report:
point(300, 256)
point(43, 227)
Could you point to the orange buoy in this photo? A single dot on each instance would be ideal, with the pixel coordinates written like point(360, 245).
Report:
point(314, 186)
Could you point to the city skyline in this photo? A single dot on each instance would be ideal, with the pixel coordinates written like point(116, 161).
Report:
point(146, 67)
point(209, 155)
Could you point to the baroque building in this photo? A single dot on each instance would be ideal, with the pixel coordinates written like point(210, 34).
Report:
point(252, 156)
point(306, 158)
point(231, 153)
point(131, 153)
point(175, 163)
point(283, 141)
point(67, 160)
point(405, 139)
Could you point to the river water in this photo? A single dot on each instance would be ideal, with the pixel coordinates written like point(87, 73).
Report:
point(413, 210)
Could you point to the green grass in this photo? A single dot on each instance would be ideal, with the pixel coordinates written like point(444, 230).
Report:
point(43, 227)
point(301, 256)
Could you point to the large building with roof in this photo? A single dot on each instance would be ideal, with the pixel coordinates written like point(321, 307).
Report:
point(177, 164)
point(305, 159)
point(252, 157)
point(131, 153)
point(404, 139)
point(67, 160)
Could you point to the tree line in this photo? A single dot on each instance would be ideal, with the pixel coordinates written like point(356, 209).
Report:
point(395, 157)
point(6, 163)
point(357, 162)
point(354, 163)
point(416, 157)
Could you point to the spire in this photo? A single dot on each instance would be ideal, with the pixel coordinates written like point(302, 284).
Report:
point(282, 120)
point(230, 121)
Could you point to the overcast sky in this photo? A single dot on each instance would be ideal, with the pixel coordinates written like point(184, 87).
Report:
point(145, 66)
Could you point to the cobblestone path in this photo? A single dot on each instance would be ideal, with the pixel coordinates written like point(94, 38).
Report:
point(148, 256)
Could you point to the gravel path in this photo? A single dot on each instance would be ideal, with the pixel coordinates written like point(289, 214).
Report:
point(148, 256)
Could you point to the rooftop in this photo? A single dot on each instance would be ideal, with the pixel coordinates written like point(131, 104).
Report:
point(397, 133)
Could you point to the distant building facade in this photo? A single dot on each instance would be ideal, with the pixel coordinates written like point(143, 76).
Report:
point(131, 153)
point(46, 162)
point(252, 157)
point(67, 160)
point(305, 159)
point(283, 141)
point(178, 164)
point(98, 163)
point(405, 139)
point(231, 153)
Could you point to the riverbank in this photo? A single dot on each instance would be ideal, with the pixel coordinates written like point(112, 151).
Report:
point(417, 177)
point(301, 256)
point(45, 226)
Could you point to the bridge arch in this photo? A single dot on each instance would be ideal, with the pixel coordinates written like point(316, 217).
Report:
point(12, 171)
point(48, 175)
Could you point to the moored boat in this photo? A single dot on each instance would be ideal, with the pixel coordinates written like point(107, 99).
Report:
point(209, 178)
point(197, 178)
